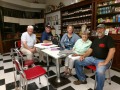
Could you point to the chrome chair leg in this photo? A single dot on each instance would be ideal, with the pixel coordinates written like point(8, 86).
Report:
point(109, 76)
point(26, 82)
point(47, 82)
point(39, 81)
point(95, 83)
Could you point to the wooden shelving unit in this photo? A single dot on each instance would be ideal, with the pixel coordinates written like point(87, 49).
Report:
point(73, 14)
point(77, 15)
point(110, 19)
point(107, 13)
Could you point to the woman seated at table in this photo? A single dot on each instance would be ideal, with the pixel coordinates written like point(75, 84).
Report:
point(68, 40)
point(80, 47)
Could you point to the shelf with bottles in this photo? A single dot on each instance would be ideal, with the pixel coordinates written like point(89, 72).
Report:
point(77, 23)
point(76, 30)
point(113, 29)
point(109, 3)
point(109, 7)
point(76, 12)
point(77, 17)
point(115, 19)
point(108, 13)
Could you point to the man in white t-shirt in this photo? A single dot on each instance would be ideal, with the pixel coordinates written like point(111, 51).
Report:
point(28, 40)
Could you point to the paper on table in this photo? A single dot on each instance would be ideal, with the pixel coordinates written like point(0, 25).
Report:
point(41, 46)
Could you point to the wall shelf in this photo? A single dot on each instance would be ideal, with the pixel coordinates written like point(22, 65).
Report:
point(77, 15)
point(114, 4)
point(107, 14)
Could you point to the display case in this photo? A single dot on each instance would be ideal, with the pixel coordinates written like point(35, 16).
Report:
point(108, 13)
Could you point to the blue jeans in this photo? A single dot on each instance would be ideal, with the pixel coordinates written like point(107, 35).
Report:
point(100, 71)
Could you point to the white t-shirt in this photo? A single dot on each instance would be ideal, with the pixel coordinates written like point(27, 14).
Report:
point(30, 39)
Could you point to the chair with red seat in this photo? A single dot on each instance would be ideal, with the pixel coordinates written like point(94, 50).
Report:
point(93, 68)
point(18, 44)
point(30, 74)
point(25, 63)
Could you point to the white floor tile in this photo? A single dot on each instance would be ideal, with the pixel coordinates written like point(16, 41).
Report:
point(8, 65)
point(9, 77)
point(2, 87)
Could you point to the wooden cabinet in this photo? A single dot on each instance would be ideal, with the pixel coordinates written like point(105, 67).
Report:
point(8, 44)
point(108, 13)
point(77, 15)
point(116, 59)
point(0, 44)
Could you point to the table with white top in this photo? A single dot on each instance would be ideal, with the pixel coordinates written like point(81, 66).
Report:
point(42, 46)
point(56, 81)
point(50, 50)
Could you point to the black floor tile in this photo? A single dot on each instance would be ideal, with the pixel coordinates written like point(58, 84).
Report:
point(44, 64)
point(32, 86)
point(90, 89)
point(1, 68)
point(93, 77)
point(68, 88)
point(51, 73)
point(2, 82)
point(11, 86)
point(9, 70)
point(115, 79)
point(1, 59)
point(9, 60)
point(77, 77)
point(63, 82)
point(50, 88)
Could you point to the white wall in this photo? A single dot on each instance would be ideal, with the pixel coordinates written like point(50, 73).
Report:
point(22, 21)
point(16, 7)
point(25, 4)
point(57, 27)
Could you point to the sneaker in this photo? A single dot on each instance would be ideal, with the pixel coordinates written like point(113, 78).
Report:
point(43, 63)
point(67, 75)
point(78, 82)
point(63, 74)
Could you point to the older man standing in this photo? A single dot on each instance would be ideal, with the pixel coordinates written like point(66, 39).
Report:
point(28, 40)
point(102, 50)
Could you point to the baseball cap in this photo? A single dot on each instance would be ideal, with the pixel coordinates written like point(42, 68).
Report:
point(101, 26)
point(48, 26)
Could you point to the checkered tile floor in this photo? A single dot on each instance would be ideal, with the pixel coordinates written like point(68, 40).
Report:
point(7, 78)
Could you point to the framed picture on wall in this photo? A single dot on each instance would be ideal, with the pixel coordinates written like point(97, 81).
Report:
point(50, 19)
point(53, 18)
point(56, 17)
point(47, 18)
point(59, 22)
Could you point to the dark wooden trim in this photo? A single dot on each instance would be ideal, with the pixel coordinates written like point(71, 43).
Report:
point(79, 4)
point(52, 11)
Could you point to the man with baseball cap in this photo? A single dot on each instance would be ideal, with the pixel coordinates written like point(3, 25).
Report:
point(102, 51)
point(46, 35)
